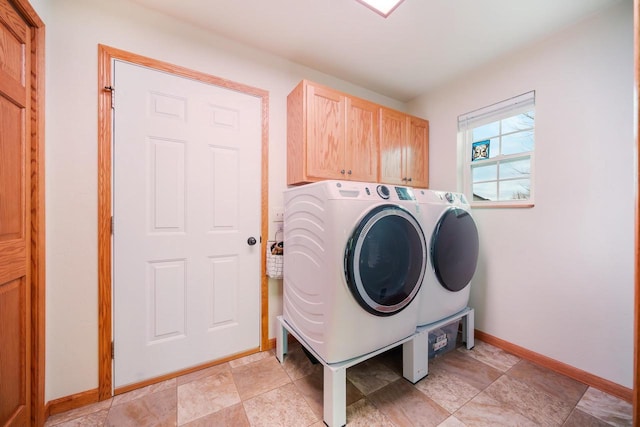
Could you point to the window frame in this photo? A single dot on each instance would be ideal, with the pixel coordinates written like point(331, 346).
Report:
point(492, 113)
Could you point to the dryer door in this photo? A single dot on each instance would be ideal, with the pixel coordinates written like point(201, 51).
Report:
point(385, 260)
point(454, 249)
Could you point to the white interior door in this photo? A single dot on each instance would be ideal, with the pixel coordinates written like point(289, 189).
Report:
point(187, 160)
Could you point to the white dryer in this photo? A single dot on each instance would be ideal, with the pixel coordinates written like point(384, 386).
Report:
point(452, 237)
point(354, 261)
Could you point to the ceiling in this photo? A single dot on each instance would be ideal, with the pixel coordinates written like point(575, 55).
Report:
point(421, 45)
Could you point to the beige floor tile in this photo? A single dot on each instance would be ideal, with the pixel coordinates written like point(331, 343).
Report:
point(605, 407)
point(557, 385)
point(259, 377)
point(581, 419)
point(232, 416)
point(251, 358)
point(484, 411)
point(371, 375)
point(64, 417)
point(202, 373)
point(207, 395)
point(403, 404)
point(452, 422)
point(467, 369)
point(297, 364)
point(446, 389)
point(392, 359)
point(481, 387)
point(537, 406)
point(92, 419)
point(283, 406)
point(363, 414)
point(138, 393)
point(311, 388)
point(492, 356)
point(152, 410)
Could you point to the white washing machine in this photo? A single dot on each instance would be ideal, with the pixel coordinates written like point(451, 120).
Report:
point(452, 237)
point(354, 260)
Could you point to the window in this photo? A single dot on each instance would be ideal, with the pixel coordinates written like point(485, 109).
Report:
point(498, 147)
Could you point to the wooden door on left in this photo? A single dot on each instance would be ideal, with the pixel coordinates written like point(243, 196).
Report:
point(15, 219)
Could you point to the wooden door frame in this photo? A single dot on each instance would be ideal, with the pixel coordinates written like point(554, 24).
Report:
point(636, 305)
point(35, 142)
point(106, 55)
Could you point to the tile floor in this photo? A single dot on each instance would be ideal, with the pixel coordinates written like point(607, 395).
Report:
point(480, 387)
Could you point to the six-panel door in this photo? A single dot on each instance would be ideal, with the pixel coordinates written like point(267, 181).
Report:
point(187, 180)
point(15, 311)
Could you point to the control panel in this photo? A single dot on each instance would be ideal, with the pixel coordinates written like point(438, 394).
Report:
point(453, 197)
point(375, 191)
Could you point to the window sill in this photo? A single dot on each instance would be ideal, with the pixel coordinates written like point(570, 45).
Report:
point(502, 205)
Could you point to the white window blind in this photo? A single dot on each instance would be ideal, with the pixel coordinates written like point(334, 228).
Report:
point(497, 111)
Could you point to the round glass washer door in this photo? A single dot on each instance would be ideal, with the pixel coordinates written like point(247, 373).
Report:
point(454, 249)
point(385, 260)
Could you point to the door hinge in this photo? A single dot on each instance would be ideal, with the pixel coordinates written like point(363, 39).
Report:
point(113, 95)
point(113, 351)
point(112, 225)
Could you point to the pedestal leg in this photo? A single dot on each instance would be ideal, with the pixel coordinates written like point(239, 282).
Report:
point(335, 396)
point(415, 357)
point(468, 326)
point(281, 341)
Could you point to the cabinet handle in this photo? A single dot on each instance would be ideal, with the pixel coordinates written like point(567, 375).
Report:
point(349, 172)
point(342, 171)
point(408, 179)
point(404, 179)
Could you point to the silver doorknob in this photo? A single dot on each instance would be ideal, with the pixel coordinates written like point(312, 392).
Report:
point(251, 241)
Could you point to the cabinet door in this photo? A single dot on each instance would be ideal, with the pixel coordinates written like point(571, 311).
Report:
point(325, 133)
point(361, 150)
point(417, 154)
point(393, 133)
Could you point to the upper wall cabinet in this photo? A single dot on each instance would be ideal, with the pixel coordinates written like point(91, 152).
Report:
point(330, 136)
point(404, 149)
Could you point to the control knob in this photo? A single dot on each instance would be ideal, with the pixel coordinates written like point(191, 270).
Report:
point(383, 191)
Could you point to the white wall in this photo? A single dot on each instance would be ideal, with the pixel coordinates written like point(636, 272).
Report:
point(74, 30)
point(558, 278)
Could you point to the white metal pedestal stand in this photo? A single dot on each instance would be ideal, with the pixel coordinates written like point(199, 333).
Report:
point(415, 352)
point(414, 362)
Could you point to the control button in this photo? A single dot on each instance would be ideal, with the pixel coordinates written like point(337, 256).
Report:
point(383, 191)
point(450, 197)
